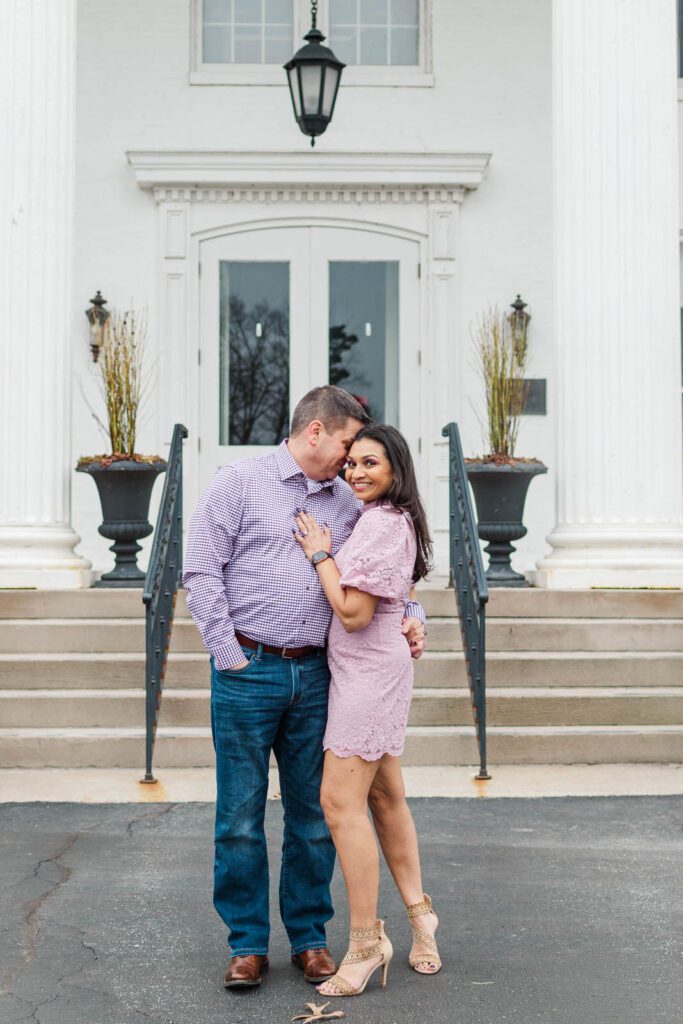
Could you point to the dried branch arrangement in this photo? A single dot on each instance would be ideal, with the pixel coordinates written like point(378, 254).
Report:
point(502, 351)
point(122, 383)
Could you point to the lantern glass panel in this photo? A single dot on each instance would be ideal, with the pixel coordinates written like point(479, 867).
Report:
point(310, 87)
point(330, 89)
point(294, 87)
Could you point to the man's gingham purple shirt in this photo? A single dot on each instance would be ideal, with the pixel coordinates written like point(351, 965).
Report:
point(243, 568)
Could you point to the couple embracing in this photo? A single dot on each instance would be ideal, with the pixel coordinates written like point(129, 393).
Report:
point(301, 586)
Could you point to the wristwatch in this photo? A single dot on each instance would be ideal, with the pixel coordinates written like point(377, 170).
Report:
point(319, 556)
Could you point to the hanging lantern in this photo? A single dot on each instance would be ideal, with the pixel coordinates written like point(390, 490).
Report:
point(314, 74)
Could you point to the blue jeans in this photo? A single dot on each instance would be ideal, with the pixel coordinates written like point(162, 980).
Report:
point(281, 705)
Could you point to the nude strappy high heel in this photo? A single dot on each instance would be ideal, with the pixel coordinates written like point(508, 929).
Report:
point(382, 947)
point(424, 938)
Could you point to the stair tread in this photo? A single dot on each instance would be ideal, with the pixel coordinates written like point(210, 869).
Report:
point(97, 732)
point(201, 656)
point(564, 620)
point(420, 693)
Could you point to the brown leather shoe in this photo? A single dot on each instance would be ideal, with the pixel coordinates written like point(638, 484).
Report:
point(317, 965)
point(245, 971)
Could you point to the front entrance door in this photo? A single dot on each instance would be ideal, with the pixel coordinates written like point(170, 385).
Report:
point(285, 309)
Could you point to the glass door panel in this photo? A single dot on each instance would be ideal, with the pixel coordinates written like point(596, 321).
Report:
point(254, 353)
point(284, 309)
point(364, 334)
point(253, 291)
point(365, 321)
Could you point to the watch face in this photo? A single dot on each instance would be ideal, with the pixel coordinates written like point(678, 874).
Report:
point(319, 556)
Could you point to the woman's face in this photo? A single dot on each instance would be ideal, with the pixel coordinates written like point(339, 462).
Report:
point(368, 470)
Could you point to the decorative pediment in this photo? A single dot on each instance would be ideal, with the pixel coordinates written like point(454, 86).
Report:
point(231, 177)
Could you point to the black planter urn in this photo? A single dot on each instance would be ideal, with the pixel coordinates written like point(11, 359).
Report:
point(125, 489)
point(500, 492)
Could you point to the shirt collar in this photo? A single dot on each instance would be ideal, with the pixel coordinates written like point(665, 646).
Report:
point(289, 467)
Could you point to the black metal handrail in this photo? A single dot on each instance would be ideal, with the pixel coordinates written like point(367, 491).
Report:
point(469, 582)
point(161, 587)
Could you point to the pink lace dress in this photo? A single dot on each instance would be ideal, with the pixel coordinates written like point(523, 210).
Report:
point(371, 670)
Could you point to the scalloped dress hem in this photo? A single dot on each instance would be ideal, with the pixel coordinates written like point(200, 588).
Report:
point(363, 754)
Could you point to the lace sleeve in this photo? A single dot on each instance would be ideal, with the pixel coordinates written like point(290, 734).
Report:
point(379, 559)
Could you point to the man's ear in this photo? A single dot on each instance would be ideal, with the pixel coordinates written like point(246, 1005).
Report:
point(315, 429)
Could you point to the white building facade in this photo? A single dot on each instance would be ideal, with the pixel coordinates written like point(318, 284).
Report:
point(478, 150)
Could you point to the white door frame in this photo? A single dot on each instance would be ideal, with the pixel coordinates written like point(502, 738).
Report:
point(201, 195)
point(307, 249)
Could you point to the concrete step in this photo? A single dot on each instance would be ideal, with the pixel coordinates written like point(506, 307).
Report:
point(523, 634)
point(518, 634)
point(537, 603)
point(554, 668)
point(434, 669)
point(430, 745)
point(514, 706)
point(88, 636)
point(438, 600)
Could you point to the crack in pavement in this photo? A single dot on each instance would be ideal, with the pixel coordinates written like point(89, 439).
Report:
point(29, 912)
point(149, 817)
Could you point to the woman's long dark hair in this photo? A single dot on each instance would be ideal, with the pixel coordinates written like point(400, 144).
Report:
point(403, 492)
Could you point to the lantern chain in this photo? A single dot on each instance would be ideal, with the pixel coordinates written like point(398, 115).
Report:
point(314, 13)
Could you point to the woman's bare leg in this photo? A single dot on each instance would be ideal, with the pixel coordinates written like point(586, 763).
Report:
point(396, 832)
point(344, 798)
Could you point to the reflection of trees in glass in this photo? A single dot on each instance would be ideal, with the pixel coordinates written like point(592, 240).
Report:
point(341, 343)
point(259, 373)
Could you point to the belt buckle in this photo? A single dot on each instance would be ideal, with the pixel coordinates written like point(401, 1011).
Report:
point(288, 657)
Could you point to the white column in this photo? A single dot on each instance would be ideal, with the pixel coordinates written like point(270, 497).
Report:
point(37, 73)
point(617, 327)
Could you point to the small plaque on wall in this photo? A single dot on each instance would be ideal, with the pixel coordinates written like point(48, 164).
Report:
point(535, 404)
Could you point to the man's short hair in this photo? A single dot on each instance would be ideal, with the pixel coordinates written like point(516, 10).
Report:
point(331, 405)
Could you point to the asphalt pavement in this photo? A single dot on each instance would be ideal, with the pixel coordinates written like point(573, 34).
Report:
point(556, 910)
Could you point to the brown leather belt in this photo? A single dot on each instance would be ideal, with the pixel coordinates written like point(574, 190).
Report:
point(283, 652)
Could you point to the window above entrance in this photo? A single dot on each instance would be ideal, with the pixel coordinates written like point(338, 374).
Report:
point(247, 31)
point(246, 42)
point(375, 32)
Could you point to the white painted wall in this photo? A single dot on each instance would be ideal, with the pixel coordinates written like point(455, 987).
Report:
point(492, 65)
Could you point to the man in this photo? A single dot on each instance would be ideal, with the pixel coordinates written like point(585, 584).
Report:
point(264, 619)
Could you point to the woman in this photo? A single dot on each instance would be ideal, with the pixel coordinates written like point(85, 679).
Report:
point(367, 584)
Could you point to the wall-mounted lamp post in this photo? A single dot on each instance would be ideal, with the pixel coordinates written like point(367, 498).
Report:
point(314, 74)
point(519, 321)
point(97, 316)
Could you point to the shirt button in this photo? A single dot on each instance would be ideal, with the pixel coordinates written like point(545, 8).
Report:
point(308, 588)
point(303, 621)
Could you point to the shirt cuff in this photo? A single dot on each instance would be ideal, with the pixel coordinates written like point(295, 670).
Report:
point(414, 610)
point(227, 655)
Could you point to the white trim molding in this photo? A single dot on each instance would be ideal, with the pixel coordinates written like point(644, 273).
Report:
point(296, 171)
point(338, 194)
